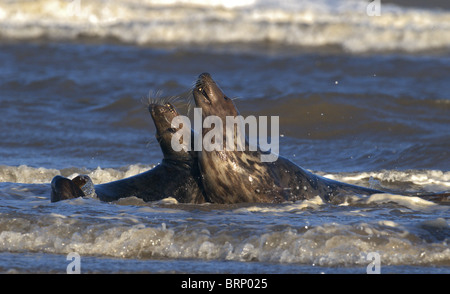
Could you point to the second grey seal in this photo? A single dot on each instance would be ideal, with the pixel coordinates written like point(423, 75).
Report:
point(178, 175)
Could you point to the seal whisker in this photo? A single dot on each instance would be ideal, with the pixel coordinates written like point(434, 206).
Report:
point(189, 107)
point(190, 101)
point(150, 143)
point(164, 100)
point(173, 99)
point(157, 98)
point(153, 97)
point(169, 122)
point(194, 83)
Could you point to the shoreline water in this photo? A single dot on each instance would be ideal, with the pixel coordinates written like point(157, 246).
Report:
point(359, 109)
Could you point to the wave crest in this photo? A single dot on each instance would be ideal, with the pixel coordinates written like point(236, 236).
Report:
point(343, 23)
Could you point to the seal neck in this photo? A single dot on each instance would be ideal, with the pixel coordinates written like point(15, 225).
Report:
point(185, 162)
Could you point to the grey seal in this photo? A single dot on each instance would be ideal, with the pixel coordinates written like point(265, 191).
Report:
point(241, 176)
point(178, 175)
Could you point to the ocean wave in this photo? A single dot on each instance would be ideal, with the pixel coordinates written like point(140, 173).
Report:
point(402, 230)
point(39, 175)
point(427, 180)
point(330, 244)
point(343, 23)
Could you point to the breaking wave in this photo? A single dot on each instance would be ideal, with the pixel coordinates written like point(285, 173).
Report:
point(343, 23)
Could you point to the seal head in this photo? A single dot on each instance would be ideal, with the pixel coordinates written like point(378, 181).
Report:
point(230, 176)
point(162, 116)
point(211, 99)
point(64, 188)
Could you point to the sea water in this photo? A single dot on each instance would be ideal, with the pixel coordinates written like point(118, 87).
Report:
point(361, 99)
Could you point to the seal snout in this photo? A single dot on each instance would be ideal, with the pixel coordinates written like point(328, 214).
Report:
point(204, 80)
point(204, 76)
point(161, 109)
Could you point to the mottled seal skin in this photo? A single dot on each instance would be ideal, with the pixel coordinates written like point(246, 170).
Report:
point(178, 175)
point(240, 176)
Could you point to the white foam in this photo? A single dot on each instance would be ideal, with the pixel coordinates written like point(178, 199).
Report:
point(431, 180)
point(137, 230)
point(438, 223)
point(301, 23)
point(100, 175)
point(26, 174)
point(31, 175)
point(325, 245)
point(428, 180)
point(415, 203)
point(297, 207)
point(207, 3)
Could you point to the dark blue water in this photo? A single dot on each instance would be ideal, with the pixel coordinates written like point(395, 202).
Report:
point(73, 99)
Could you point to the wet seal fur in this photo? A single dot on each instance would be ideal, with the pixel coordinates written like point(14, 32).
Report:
point(178, 175)
point(240, 176)
point(64, 188)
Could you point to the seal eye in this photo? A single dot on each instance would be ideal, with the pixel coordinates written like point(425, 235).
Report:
point(202, 90)
point(172, 130)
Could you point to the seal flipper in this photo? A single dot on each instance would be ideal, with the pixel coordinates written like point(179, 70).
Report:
point(64, 188)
